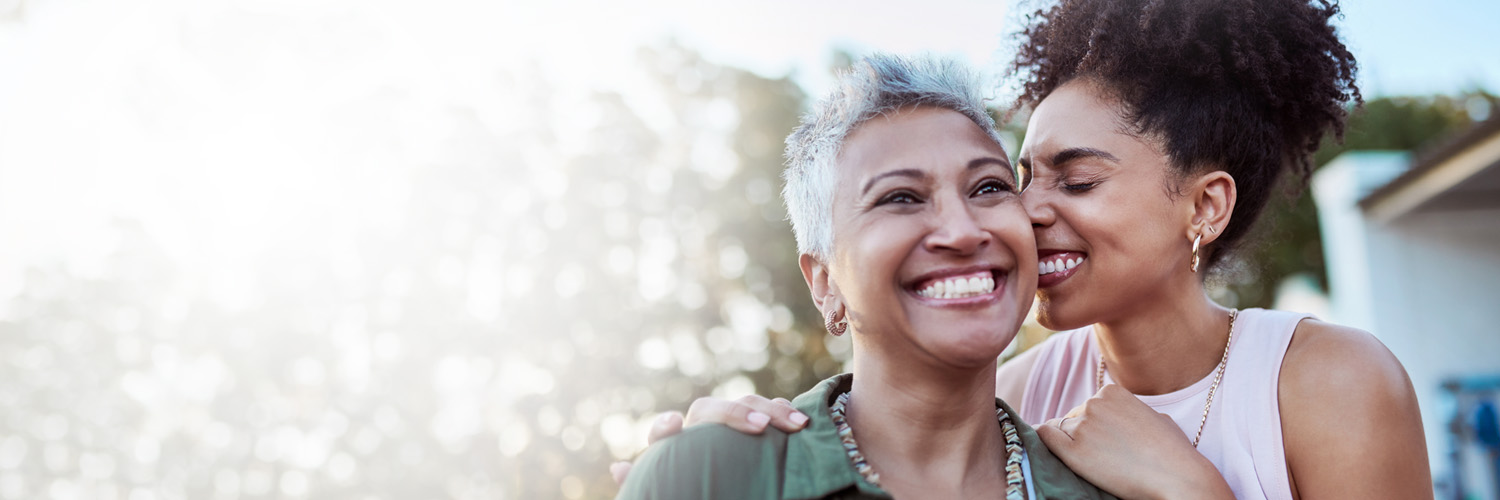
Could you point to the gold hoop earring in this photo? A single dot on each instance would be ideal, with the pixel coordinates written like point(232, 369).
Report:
point(1196, 241)
point(836, 328)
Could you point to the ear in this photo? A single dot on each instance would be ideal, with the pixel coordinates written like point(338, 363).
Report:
point(1213, 202)
point(824, 290)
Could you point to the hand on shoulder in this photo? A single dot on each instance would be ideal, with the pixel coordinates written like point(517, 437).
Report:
point(749, 415)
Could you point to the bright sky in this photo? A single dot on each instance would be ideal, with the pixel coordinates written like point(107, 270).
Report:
point(1404, 48)
point(189, 115)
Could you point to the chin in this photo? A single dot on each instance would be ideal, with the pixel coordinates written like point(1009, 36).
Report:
point(978, 349)
point(1057, 315)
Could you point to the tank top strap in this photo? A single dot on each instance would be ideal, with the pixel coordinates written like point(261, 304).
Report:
point(1263, 336)
point(1249, 426)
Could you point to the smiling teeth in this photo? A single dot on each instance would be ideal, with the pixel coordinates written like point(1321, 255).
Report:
point(957, 288)
point(1057, 265)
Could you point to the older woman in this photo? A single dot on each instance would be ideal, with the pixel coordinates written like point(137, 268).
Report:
point(1161, 129)
point(913, 239)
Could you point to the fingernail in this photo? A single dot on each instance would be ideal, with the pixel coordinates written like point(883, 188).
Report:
point(758, 419)
point(798, 418)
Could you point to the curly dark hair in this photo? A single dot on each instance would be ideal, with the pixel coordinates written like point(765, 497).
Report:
point(1249, 87)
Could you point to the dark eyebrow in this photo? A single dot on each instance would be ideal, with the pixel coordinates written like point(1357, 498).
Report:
point(905, 172)
point(1070, 154)
point(990, 160)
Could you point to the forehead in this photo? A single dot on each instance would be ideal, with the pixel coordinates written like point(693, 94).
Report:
point(917, 137)
point(1075, 115)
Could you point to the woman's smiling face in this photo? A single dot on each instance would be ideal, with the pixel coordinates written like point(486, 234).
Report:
point(933, 252)
point(1109, 232)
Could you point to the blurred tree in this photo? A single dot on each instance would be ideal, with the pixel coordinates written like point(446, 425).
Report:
point(688, 285)
point(556, 266)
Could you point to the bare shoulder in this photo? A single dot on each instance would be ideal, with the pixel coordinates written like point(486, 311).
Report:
point(1349, 417)
point(1326, 360)
point(1011, 378)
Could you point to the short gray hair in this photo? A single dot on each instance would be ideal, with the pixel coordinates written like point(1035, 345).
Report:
point(878, 84)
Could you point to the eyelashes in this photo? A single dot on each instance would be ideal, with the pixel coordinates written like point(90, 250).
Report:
point(986, 187)
point(1080, 187)
point(902, 197)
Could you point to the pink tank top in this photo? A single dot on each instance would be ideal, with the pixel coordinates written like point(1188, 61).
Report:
point(1243, 434)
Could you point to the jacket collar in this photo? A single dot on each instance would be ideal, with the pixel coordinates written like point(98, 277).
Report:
point(817, 466)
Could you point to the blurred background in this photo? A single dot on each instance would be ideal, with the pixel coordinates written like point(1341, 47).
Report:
point(366, 249)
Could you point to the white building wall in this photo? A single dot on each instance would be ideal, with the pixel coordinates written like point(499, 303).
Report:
point(1426, 284)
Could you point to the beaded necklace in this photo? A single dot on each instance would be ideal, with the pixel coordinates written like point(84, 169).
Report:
point(1015, 484)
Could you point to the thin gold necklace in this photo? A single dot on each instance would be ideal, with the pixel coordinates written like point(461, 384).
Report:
point(1233, 313)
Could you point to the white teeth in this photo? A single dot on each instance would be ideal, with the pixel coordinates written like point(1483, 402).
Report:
point(1053, 266)
point(959, 287)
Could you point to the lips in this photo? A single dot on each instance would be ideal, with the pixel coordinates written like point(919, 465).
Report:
point(1055, 266)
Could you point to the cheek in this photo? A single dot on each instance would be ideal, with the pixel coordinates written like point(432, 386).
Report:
point(1013, 228)
point(870, 259)
point(1127, 232)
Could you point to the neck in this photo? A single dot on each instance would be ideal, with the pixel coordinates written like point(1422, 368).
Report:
point(1163, 346)
point(930, 427)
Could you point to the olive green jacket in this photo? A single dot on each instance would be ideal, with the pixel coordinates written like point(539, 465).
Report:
point(714, 461)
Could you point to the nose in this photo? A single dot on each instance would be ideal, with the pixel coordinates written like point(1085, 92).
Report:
point(1038, 206)
point(957, 231)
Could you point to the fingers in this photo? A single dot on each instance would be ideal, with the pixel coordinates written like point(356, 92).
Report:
point(1052, 434)
point(736, 415)
point(666, 425)
point(1112, 391)
point(783, 415)
point(619, 471)
point(749, 414)
point(1070, 425)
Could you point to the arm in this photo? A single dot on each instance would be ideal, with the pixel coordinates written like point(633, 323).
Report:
point(1349, 418)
